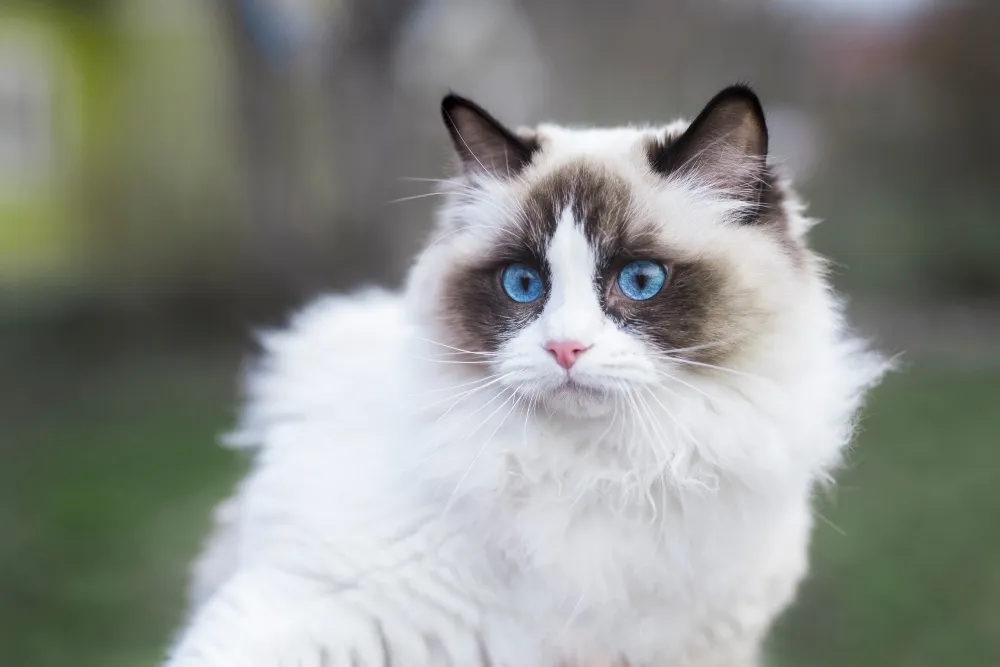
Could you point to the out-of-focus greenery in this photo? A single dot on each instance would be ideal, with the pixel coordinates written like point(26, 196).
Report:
point(40, 220)
point(906, 568)
point(109, 472)
point(109, 490)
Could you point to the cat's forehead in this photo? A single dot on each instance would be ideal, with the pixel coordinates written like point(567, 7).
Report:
point(590, 176)
point(599, 200)
point(560, 143)
point(600, 177)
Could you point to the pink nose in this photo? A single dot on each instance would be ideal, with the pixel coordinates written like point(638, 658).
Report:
point(566, 352)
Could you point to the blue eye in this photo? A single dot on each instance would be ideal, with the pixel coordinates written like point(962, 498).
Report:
point(522, 283)
point(642, 279)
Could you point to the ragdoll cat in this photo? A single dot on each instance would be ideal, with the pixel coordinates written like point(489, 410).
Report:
point(587, 432)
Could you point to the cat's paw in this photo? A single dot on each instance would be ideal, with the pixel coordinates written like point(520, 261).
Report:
point(267, 619)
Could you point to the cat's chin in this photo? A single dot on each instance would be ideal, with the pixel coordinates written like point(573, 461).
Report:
point(579, 400)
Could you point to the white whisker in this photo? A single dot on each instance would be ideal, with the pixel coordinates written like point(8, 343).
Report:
point(475, 459)
point(451, 361)
point(400, 200)
point(461, 350)
point(460, 385)
point(687, 384)
point(463, 395)
point(703, 364)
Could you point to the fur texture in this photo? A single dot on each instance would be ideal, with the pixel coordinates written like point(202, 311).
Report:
point(432, 488)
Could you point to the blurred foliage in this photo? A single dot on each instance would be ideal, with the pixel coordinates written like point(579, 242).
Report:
point(88, 7)
point(43, 221)
point(210, 165)
point(911, 177)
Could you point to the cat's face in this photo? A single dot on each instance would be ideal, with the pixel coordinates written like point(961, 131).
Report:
point(573, 266)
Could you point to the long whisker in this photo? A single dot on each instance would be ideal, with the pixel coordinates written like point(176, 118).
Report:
point(635, 409)
point(477, 389)
point(611, 424)
point(482, 407)
point(680, 427)
point(400, 200)
point(487, 355)
point(532, 404)
point(477, 197)
point(458, 349)
point(693, 348)
point(458, 386)
point(466, 227)
point(657, 447)
point(451, 186)
point(454, 126)
point(458, 398)
point(666, 452)
point(687, 384)
point(512, 213)
point(450, 361)
point(439, 449)
point(703, 364)
point(475, 459)
point(448, 183)
point(659, 437)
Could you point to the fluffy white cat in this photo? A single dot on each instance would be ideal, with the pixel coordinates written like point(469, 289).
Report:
point(588, 431)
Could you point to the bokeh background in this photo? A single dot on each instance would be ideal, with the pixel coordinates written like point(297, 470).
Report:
point(177, 173)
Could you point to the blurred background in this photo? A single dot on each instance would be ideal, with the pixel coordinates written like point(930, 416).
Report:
point(177, 173)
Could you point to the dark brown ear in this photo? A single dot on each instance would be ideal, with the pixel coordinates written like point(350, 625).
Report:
point(724, 147)
point(483, 144)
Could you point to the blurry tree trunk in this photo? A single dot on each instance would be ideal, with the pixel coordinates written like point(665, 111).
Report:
point(263, 104)
point(356, 100)
point(364, 128)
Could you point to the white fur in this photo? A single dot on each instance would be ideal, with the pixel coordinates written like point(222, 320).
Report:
point(400, 506)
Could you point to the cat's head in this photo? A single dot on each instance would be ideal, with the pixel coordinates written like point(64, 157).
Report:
point(573, 264)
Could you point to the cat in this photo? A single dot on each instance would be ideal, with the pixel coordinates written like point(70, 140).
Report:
point(587, 431)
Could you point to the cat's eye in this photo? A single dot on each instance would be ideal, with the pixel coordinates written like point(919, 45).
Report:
point(522, 283)
point(642, 279)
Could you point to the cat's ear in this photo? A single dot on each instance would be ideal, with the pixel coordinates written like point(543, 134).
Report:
point(724, 147)
point(482, 143)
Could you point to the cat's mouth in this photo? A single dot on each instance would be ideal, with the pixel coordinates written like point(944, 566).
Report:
point(578, 390)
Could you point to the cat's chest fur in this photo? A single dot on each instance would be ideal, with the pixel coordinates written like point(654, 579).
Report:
point(609, 583)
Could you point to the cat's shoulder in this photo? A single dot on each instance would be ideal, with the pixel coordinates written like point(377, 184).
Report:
point(327, 324)
point(334, 359)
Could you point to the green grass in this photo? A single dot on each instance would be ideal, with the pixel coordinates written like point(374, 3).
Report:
point(108, 473)
point(907, 568)
point(104, 497)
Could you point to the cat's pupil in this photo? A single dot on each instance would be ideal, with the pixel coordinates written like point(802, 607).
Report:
point(641, 280)
point(525, 283)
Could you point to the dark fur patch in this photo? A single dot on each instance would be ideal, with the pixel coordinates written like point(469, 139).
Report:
point(482, 142)
point(732, 119)
point(478, 314)
point(730, 127)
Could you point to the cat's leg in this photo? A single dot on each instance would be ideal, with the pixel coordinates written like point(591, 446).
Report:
point(268, 618)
